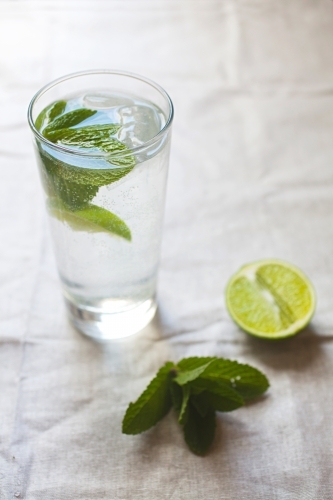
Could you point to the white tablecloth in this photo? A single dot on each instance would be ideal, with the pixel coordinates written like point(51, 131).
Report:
point(251, 176)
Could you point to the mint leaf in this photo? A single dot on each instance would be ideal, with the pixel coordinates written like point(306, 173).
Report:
point(92, 136)
point(176, 396)
point(216, 394)
point(74, 196)
point(91, 218)
point(125, 160)
point(207, 400)
point(69, 119)
point(199, 430)
point(49, 113)
point(71, 189)
point(201, 404)
point(187, 376)
point(183, 415)
point(197, 387)
point(153, 404)
point(86, 176)
point(246, 380)
point(194, 362)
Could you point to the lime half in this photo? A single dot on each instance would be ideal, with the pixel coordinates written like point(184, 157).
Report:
point(270, 299)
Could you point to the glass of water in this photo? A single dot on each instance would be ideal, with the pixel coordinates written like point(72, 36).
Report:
point(102, 142)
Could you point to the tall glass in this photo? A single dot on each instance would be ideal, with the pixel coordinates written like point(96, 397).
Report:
point(107, 267)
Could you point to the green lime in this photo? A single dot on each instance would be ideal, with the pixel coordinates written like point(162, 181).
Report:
point(270, 299)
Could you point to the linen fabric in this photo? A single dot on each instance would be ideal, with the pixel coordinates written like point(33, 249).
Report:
point(251, 177)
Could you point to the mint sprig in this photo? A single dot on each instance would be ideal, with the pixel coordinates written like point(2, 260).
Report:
point(84, 176)
point(69, 119)
point(196, 388)
point(71, 189)
point(92, 136)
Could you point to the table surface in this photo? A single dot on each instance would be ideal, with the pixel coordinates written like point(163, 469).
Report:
point(250, 177)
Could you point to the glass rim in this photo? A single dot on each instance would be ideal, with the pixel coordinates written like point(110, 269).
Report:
point(97, 154)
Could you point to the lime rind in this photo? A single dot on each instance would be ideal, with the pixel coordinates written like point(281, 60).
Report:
point(91, 218)
point(292, 324)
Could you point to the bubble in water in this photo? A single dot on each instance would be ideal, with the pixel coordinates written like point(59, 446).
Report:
point(105, 101)
point(17, 494)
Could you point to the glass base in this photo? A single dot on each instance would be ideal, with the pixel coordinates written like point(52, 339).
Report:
point(110, 326)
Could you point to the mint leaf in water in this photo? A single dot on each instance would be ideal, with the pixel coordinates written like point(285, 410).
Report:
point(92, 136)
point(69, 192)
point(86, 176)
point(153, 404)
point(49, 114)
point(74, 196)
point(197, 387)
point(71, 189)
point(96, 137)
point(69, 119)
point(126, 160)
point(92, 218)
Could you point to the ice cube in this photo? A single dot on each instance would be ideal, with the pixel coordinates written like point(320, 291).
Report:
point(139, 122)
point(105, 101)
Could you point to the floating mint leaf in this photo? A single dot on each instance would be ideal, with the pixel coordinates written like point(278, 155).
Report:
point(92, 136)
point(85, 176)
point(72, 194)
point(120, 155)
point(90, 218)
point(246, 380)
point(71, 188)
point(69, 119)
point(125, 160)
point(153, 404)
point(199, 430)
point(49, 113)
point(183, 415)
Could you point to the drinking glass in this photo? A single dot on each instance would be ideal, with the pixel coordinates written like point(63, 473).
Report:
point(106, 209)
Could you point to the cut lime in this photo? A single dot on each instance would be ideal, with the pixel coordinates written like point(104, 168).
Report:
point(270, 299)
point(91, 218)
